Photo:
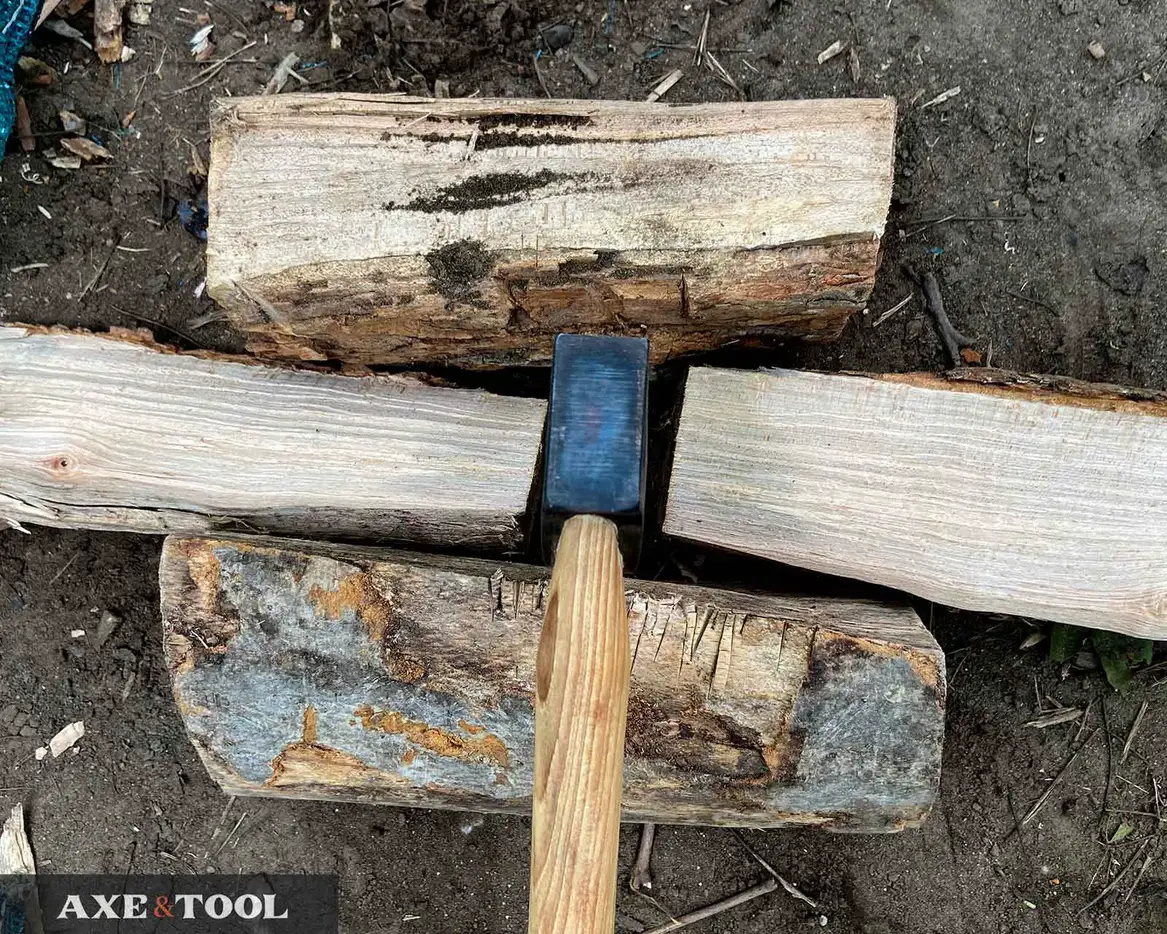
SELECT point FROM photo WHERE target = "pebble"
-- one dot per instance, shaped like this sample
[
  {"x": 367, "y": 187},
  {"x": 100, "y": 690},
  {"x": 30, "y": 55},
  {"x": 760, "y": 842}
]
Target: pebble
[
  {"x": 8, "y": 713},
  {"x": 639, "y": 48},
  {"x": 27, "y": 731},
  {"x": 558, "y": 36},
  {"x": 105, "y": 629}
]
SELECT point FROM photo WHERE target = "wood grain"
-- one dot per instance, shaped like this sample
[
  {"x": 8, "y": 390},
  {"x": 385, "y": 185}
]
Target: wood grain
[
  {"x": 312, "y": 671},
  {"x": 106, "y": 433},
  {"x": 387, "y": 229},
  {"x": 983, "y": 490},
  {"x": 581, "y": 705}
]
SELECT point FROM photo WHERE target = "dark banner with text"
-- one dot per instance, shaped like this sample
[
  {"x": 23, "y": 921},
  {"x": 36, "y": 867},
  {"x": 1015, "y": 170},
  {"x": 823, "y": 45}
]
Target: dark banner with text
[{"x": 206, "y": 904}]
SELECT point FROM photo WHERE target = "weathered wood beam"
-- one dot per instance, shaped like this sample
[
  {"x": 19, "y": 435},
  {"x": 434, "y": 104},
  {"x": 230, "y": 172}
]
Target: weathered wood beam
[
  {"x": 309, "y": 671},
  {"x": 388, "y": 230},
  {"x": 113, "y": 432},
  {"x": 980, "y": 489}
]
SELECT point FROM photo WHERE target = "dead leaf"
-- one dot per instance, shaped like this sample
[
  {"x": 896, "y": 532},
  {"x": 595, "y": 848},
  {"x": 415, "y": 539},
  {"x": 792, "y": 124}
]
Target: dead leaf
[
  {"x": 970, "y": 356},
  {"x": 287, "y": 9},
  {"x": 87, "y": 149}
]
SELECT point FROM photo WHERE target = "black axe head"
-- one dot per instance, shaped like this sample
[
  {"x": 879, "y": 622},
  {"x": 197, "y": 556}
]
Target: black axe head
[{"x": 596, "y": 444}]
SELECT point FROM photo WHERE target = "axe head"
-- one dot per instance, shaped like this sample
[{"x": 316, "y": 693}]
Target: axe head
[{"x": 594, "y": 453}]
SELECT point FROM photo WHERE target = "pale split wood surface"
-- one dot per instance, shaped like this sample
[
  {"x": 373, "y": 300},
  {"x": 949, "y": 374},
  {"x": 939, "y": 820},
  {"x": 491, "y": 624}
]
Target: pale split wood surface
[
  {"x": 108, "y": 433},
  {"x": 1032, "y": 496},
  {"x": 389, "y": 229},
  {"x": 305, "y": 670}
]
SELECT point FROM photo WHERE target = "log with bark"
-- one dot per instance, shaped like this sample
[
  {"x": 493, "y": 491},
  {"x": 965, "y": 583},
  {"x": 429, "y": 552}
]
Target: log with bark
[
  {"x": 395, "y": 230},
  {"x": 114, "y": 432},
  {"x": 329, "y": 672},
  {"x": 980, "y": 489}
]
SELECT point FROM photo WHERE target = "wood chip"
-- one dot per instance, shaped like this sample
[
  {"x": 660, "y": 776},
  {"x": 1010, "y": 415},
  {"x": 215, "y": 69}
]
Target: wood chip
[
  {"x": 942, "y": 97},
  {"x": 107, "y": 29},
  {"x": 65, "y": 739},
  {"x": 665, "y": 83},
  {"x": 59, "y": 161},
  {"x": 87, "y": 149},
  {"x": 853, "y": 65},
  {"x": 586, "y": 70},
  {"x": 24, "y": 125},
  {"x": 140, "y": 11},
  {"x": 46, "y": 9},
  {"x": 15, "y": 850},
  {"x": 831, "y": 51}
]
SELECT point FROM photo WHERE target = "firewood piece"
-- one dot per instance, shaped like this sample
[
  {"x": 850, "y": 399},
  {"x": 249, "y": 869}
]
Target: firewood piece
[
  {"x": 980, "y": 489},
  {"x": 315, "y": 671},
  {"x": 107, "y": 433},
  {"x": 395, "y": 230}
]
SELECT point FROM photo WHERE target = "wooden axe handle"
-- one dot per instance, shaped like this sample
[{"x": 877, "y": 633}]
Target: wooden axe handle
[{"x": 581, "y": 708}]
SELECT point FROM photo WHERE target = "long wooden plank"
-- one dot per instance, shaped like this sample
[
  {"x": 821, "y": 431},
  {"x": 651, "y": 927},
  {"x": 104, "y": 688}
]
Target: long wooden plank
[
  {"x": 387, "y": 229},
  {"x": 984, "y": 490},
  {"x": 308, "y": 671},
  {"x": 107, "y": 433}
]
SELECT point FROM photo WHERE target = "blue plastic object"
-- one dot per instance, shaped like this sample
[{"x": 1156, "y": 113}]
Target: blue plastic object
[{"x": 17, "y": 18}]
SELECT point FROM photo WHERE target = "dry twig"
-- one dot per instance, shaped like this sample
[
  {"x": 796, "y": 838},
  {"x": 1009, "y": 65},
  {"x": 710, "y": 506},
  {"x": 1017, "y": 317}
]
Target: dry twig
[
  {"x": 1130, "y": 737},
  {"x": 1044, "y": 797},
  {"x": 641, "y": 876},
  {"x": 762, "y": 888},
  {"x": 1117, "y": 879}
]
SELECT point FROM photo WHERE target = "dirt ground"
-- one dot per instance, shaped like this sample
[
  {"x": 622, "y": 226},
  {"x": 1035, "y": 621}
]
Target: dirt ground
[{"x": 1073, "y": 149}]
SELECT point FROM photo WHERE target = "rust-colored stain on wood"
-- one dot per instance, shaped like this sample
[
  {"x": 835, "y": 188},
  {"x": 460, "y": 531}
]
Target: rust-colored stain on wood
[
  {"x": 835, "y": 645},
  {"x": 203, "y": 568},
  {"x": 307, "y": 762},
  {"x": 486, "y": 748},
  {"x": 357, "y": 593}
]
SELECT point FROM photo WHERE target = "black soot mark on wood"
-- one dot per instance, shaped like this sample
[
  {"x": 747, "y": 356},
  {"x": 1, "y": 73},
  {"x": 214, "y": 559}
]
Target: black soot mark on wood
[
  {"x": 481, "y": 191},
  {"x": 457, "y": 269}
]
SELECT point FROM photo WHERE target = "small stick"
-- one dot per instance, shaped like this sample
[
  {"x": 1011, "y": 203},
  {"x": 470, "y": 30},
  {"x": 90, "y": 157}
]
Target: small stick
[
  {"x": 1139, "y": 878},
  {"x": 891, "y": 311},
  {"x": 762, "y": 888},
  {"x": 950, "y": 337},
  {"x": 1130, "y": 738},
  {"x": 1040, "y": 802},
  {"x": 791, "y": 889},
  {"x": 1109, "y": 773},
  {"x": 1085, "y": 717},
  {"x": 539, "y": 74},
  {"x": 209, "y": 73},
  {"x": 231, "y": 833},
  {"x": 1117, "y": 879},
  {"x": 100, "y": 271},
  {"x": 641, "y": 877},
  {"x": 701, "y": 40}
]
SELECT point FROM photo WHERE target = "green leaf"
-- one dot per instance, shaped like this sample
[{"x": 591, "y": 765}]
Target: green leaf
[
  {"x": 1118, "y": 654},
  {"x": 1064, "y": 642},
  {"x": 1124, "y": 830}
]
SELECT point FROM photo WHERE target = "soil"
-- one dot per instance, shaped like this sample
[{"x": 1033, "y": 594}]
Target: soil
[{"x": 1072, "y": 148}]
